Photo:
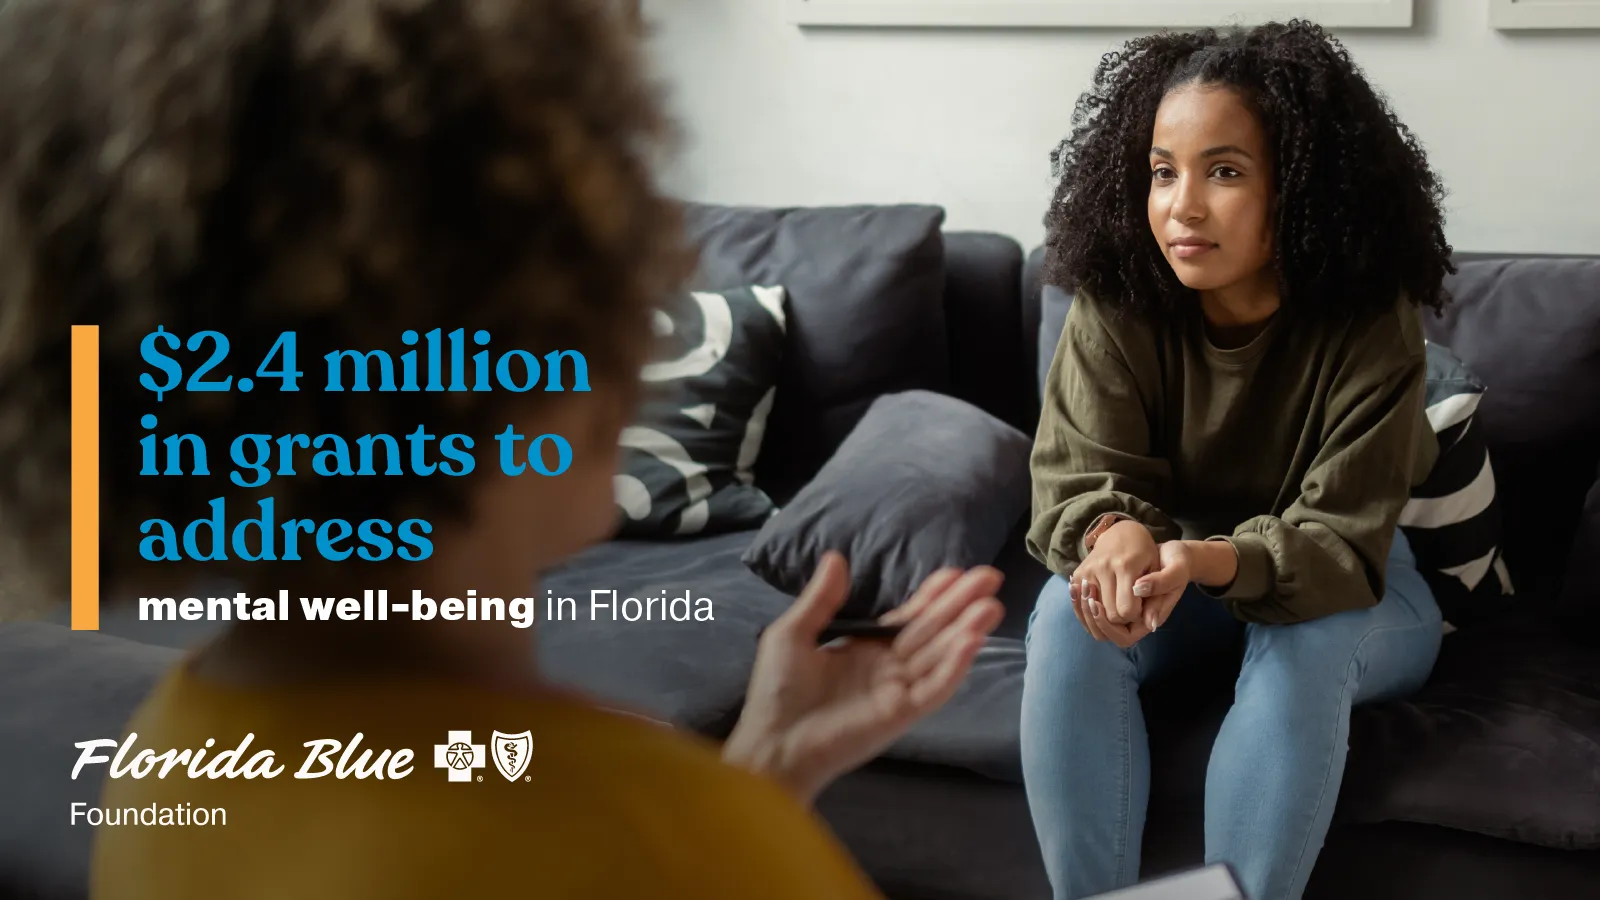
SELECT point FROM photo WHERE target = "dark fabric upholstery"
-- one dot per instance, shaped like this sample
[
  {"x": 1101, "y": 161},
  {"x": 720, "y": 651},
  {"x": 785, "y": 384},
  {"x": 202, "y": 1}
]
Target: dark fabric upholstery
[
  {"x": 1054, "y": 304},
  {"x": 866, "y": 314},
  {"x": 979, "y": 729},
  {"x": 1032, "y": 313},
  {"x": 1580, "y": 593},
  {"x": 1504, "y": 740},
  {"x": 917, "y": 457},
  {"x": 1530, "y": 329},
  {"x": 926, "y": 833},
  {"x": 706, "y": 393},
  {"x": 984, "y": 317},
  {"x": 1403, "y": 861}
]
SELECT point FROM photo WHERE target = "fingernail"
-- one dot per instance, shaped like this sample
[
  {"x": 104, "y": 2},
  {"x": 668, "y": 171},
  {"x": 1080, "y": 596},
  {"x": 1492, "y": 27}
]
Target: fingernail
[
  {"x": 1142, "y": 589},
  {"x": 1094, "y": 609}
]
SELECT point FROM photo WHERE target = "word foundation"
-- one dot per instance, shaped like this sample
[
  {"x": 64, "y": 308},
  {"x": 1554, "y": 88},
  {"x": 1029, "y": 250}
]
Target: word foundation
[{"x": 182, "y": 816}]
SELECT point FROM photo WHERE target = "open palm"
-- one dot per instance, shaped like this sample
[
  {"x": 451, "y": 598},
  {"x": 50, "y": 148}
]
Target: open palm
[{"x": 818, "y": 712}]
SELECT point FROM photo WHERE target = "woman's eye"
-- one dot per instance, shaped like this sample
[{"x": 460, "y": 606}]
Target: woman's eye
[
  {"x": 1225, "y": 172},
  {"x": 1161, "y": 173}
]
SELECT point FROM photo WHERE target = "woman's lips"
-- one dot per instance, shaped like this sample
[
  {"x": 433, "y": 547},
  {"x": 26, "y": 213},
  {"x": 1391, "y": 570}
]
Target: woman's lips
[{"x": 1191, "y": 249}]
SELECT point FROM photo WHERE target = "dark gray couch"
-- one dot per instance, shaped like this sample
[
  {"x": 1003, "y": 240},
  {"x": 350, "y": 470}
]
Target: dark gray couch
[{"x": 1486, "y": 785}]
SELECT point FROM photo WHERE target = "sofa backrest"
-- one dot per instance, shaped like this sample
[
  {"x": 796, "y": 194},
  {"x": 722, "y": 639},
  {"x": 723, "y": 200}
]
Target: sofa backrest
[
  {"x": 1529, "y": 327},
  {"x": 984, "y": 318}
]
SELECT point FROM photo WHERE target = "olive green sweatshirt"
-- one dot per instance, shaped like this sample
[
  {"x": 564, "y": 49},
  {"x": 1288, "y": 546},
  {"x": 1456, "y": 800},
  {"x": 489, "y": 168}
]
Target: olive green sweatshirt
[{"x": 1299, "y": 448}]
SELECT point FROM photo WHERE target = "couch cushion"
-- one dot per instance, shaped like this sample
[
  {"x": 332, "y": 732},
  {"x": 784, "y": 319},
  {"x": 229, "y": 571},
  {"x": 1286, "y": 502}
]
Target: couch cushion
[
  {"x": 923, "y": 482},
  {"x": 58, "y": 687},
  {"x": 1503, "y": 741},
  {"x": 979, "y": 729},
  {"x": 688, "y": 455},
  {"x": 866, "y": 304},
  {"x": 1453, "y": 517},
  {"x": 1530, "y": 328}
]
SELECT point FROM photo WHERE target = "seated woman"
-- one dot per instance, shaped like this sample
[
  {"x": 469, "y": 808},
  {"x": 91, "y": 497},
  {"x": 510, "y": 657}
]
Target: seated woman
[
  {"x": 1233, "y": 421},
  {"x": 347, "y": 170}
]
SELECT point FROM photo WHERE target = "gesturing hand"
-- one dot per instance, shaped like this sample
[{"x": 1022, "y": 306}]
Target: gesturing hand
[{"x": 813, "y": 713}]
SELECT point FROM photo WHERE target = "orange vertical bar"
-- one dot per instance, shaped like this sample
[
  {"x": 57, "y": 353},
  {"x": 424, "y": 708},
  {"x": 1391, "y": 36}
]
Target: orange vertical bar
[{"x": 85, "y": 477}]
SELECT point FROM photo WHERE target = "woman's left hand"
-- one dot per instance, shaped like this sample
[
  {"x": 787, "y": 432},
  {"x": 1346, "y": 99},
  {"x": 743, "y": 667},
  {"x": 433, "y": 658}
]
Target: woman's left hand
[{"x": 1162, "y": 588}]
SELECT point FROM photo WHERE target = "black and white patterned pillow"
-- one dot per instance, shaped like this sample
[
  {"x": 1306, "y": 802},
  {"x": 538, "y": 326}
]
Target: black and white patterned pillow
[
  {"x": 687, "y": 457},
  {"x": 1453, "y": 518}
]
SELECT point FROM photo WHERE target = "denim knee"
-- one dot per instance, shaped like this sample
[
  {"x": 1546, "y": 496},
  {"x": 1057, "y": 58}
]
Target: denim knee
[
  {"x": 1055, "y": 632},
  {"x": 1051, "y": 609}
]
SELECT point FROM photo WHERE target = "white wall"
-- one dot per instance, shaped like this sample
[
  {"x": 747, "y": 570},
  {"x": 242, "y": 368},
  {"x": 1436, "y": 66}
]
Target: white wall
[{"x": 967, "y": 119}]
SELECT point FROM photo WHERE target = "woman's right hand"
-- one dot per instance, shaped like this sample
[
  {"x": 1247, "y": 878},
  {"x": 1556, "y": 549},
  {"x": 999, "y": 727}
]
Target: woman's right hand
[{"x": 1103, "y": 583}]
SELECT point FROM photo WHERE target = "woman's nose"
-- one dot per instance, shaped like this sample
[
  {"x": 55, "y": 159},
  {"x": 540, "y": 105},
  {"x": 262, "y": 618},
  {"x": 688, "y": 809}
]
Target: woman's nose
[{"x": 1188, "y": 202}]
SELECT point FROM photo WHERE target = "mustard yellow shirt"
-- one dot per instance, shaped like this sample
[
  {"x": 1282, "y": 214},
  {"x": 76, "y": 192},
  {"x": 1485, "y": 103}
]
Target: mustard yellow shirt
[{"x": 609, "y": 805}]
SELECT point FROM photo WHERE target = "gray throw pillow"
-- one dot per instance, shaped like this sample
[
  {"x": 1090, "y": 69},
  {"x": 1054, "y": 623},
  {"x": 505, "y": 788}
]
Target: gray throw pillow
[
  {"x": 688, "y": 457},
  {"x": 923, "y": 481}
]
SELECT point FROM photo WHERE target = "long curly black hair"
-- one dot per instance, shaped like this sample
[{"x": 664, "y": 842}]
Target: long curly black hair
[{"x": 1357, "y": 217}]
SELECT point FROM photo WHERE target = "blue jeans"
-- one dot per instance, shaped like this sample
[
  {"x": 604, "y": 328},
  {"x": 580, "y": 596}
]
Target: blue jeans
[{"x": 1277, "y": 763}]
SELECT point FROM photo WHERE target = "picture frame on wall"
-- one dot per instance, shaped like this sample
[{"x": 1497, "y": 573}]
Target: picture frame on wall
[
  {"x": 1513, "y": 15},
  {"x": 1096, "y": 13}
]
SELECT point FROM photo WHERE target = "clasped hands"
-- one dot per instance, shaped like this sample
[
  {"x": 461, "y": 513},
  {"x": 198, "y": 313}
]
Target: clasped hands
[{"x": 1128, "y": 585}]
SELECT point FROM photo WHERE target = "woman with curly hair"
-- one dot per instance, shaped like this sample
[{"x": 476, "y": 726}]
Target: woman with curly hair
[
  {"x": 1232, "y": 423},
  {"x": 348, "y": 170}
]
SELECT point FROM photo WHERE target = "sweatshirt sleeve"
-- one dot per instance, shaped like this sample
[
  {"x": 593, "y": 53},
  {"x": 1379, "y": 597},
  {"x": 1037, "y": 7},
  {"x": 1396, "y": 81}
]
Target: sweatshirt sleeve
[
  {"x": 1093, "y": 452},
  {"x": 1329, "y": 550}
]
